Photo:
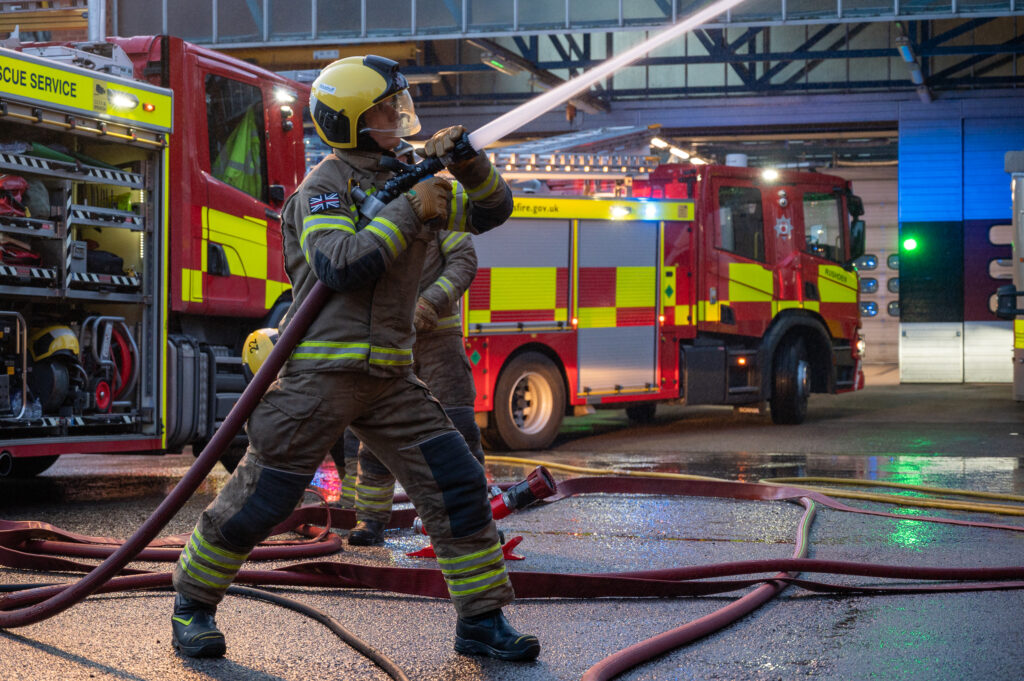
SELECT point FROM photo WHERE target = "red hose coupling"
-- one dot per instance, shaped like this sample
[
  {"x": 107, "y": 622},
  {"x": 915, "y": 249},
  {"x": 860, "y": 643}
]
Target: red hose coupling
[{"x": 538, "y": 485}]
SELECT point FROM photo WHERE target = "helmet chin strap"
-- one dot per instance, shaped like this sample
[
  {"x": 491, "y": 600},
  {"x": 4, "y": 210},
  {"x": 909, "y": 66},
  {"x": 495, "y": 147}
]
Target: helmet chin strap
[{"x": 365, "y": 142}]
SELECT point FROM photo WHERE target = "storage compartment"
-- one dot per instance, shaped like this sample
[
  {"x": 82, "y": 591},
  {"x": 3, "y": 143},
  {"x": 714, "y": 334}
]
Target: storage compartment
[{"x": 80, "y": 276}]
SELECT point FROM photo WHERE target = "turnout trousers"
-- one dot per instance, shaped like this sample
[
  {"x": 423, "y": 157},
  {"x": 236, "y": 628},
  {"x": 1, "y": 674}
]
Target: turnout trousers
[
  {"x": 439, "y": 361},
  {"x": 298, "y": 420}
]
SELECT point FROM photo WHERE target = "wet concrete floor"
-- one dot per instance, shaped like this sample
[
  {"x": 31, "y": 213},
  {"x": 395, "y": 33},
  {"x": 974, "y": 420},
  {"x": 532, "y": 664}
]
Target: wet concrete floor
[{"x": 962, "y": 436}]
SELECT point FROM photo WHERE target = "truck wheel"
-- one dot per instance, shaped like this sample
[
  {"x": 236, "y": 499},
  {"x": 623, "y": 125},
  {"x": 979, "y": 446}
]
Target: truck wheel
[
  {"x": 27, "y": 467},
  {"x": 641, "y": 413},
  {"x": 529, "y": 403},
  {"x": 791, "y": 383}
]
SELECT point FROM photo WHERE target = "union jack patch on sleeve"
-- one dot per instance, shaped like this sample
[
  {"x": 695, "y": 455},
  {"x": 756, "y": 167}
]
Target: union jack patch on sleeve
[{"x": 323, "y": 202}]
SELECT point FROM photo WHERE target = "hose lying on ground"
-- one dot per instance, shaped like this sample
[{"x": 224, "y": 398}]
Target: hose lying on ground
[{"x": 21, "y": 545}]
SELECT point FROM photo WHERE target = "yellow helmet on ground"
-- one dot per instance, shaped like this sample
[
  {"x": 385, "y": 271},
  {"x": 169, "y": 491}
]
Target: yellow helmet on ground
[
  {"x": 258, "y": 346},
  {"x": 348, "y": 88},
  {"x": 56, "y": 340}
]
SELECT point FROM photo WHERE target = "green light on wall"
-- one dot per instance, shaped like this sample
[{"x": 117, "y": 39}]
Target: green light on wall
[{"x": 909, "y": 244}]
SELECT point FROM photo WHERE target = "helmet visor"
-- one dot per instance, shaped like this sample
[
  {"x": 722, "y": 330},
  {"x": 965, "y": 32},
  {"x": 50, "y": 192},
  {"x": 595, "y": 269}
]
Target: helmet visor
[{"x": 394, "y": 116}]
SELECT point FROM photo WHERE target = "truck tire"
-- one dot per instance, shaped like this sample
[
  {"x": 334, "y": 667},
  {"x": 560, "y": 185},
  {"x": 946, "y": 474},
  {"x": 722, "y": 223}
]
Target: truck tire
[
  {"x": 641, "y": 413},
  {"x": 791, "y": 383},
  {"x": 529, "y": 403},
  {"x": 27, "y": 467}
]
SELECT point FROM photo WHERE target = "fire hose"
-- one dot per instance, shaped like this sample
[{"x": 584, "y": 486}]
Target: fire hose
[{"x": 33, "y": 545}]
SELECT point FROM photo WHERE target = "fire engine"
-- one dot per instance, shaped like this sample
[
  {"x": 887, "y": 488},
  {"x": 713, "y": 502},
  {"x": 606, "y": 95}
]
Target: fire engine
[
  {"x": 711, "y": 285},
  {"x": 140, "y": 184}
]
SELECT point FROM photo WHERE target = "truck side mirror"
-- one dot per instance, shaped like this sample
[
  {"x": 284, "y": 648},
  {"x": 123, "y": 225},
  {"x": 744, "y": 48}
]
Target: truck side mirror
[
  {"x": 856, "y": 239},
  {"x": 1006, "y": 307}
]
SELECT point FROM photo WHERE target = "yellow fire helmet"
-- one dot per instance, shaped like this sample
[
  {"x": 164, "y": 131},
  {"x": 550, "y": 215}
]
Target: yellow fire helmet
[
  {"x": 349, "y": 87},
  {"x": 256, "y": 349},
  {"x": 53, "y": 341}
]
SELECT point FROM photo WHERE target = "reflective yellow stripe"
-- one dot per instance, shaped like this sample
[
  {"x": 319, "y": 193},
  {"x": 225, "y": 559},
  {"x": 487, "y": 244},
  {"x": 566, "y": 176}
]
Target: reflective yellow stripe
[
  {"x": 374, "y": 497},
  {"x": 193, "y": 551},
  {"x": 456, "y": 571},
  {"x": 389, "y": 232},
  {"x": 459, "y": 586},
  {"x": 485, "y": 188},
  {"x": 401, "y": 356},
  {"x": 348, "y": 486},
  {"x": 457, "y": 211},
  {"x": 469, "y": 556},
  {"x": 187, "y": 567},
  {"x": 192, "y": 560},
  {"x": 314, "y": 223},
  {"x": 448, "y": 322},
  {"x": 335, "y": 350},
  {"x": 446, "y": 285},
  {"x": 451, "y": 241},
  {"x": 485, "y": 587},
  {"x": 224, "y": 553}
]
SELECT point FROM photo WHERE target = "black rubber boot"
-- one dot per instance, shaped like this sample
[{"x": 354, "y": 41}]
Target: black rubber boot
[
  {"x": 193, "y": 630},
  {"x": 490, "y": 634},
  {"x": 367, "y": 533}
]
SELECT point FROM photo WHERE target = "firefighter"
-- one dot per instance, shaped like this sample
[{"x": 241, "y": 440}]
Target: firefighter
[
  {"x": 439, "y": 361},
  {"x": 353, "y": 366},
  {"x": 346, "y": 452}
]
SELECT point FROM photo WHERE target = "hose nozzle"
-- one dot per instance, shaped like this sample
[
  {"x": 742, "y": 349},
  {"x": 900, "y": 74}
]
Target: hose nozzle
[{"x": 538, "y": 485}]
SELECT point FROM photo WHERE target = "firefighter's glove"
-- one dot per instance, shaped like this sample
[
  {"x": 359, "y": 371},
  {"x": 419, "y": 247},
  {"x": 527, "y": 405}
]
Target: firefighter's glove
[
  {"x": 472, "y": 171},
  {"x": 430, "y": 200},
  {"x": 426, "y": 316},
  {"x": 443, "y": 142}
]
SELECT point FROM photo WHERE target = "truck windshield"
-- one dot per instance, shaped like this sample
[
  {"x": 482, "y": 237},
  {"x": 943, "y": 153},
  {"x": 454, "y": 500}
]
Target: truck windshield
[{"x": 234, "y": 116}]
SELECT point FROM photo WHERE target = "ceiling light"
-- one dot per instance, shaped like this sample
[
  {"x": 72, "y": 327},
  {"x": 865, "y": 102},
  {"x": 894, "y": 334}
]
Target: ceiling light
[{"x": 499, "y": 63}]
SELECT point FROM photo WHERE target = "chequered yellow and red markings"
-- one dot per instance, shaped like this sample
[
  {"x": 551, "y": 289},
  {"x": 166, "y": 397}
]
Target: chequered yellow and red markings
[
  {"x": 752, "y": 294},
  {"x": 616, "y": 297},
  {"x": 518, "y": 294}
]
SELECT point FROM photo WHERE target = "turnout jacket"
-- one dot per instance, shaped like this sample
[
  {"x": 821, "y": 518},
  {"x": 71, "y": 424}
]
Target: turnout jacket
[
  {"x": 448, "y": 270},
  {"x": 374, "y": 270}
]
